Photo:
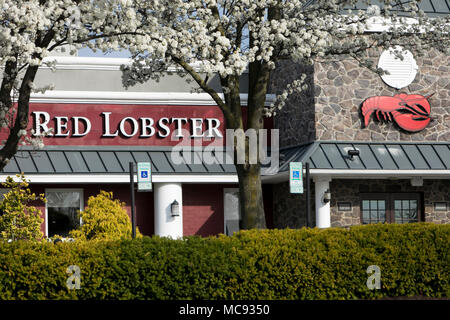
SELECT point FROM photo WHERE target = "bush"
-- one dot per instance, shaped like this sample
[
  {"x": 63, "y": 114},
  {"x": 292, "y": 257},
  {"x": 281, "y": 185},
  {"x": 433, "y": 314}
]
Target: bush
[
  {"x": 104, "y": 218},
  {"x": 18, "y": 219},
  {"x": 268, "y": 264}
]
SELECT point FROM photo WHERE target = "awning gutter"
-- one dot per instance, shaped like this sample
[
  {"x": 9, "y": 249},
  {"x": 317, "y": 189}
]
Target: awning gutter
[{"x": 363, "y": 174}]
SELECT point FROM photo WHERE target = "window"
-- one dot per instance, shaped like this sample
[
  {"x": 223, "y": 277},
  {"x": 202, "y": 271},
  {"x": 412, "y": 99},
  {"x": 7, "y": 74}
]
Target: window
[
  {"x": 405, "y": 211},
  {"x": 232, "y": 215},
  {"x": 373, "y": 211},
  {"x": 3, "y": 191},
  {"x": 390, "y": 208},
  {"x": 62, "y": 211}
]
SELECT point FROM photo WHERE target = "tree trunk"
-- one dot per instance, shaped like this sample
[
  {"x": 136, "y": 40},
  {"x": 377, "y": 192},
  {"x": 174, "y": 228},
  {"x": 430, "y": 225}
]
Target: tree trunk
[
  {"x": 23, "y": 104},
  {"x": 21, "y": 121},
  {"x": 251, "y": 197},
  {"x": 249, "y": 173}
]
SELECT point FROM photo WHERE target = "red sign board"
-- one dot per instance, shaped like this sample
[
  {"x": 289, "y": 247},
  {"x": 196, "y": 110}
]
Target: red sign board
[{"x": 95, "y": 124}]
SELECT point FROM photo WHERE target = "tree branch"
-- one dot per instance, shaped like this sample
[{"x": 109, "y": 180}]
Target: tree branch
[
  {"x": 196, "y": 76},
  {"x": 9, "y": 76}
]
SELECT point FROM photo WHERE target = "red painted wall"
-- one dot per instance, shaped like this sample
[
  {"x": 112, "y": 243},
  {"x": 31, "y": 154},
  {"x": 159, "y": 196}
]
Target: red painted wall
[{"x": 203, "y": 207}]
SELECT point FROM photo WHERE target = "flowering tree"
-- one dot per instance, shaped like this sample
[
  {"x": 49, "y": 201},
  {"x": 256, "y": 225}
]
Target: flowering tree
[
  {"x": 226, "y": 38},
  {"x": 29, "y": 30}
]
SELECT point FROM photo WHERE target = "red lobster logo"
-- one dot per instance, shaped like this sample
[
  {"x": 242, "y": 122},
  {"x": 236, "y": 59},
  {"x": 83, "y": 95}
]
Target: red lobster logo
[{"x": 410, "y": 111}]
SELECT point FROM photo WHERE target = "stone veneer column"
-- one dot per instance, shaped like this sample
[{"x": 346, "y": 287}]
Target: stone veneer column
[
  {"x": 323, "y": 213},
  {"x": 165, "y": 224}
]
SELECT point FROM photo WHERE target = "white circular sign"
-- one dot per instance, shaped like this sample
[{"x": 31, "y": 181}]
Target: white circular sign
[{"x": 401, "y": 72}]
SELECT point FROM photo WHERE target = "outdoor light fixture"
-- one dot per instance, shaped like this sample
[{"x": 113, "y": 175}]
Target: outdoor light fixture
[
  {"x": 417, "y": 181},
  {"x": 327, "y": 196},
  {"x": 352, "y": 153},
  {"x": 175, "y": 208}
]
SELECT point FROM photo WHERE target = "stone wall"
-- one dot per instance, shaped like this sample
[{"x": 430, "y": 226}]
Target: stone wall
[
  {"x": 296, "y": 119},
  {"x": 436, "y": 191},
  {"x": 349, "y": 191},
  {"x": 289, "y": 209},
  {"x": 330, "y": 109},
  {"x": 341, "y": 87}
]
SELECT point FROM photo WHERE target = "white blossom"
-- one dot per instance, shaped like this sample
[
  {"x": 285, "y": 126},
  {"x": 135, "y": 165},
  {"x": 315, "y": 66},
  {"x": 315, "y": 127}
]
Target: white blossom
[
  {"x": 217, "y": 33},
  {"x": 373, "y": 10}
]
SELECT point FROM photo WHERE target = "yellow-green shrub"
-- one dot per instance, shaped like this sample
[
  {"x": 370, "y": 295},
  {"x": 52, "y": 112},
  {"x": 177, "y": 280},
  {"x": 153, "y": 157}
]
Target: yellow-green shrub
[
  {"x": 18, "y": 219},
  {"x": 255, "y": 264},
  {"x": 104, "y": 218}
]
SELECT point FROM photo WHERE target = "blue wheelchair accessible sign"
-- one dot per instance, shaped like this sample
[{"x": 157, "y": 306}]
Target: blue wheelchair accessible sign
[{"x": 296, "y": 177}]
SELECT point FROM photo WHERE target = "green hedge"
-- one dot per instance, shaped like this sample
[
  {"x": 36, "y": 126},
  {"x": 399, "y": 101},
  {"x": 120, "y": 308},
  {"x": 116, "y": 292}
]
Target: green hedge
[{"x": 269, "y": 264}]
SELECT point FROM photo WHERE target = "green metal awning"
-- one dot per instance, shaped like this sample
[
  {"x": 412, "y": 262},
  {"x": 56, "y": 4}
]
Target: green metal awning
[
  {"x": 109, "y": 160},
  {"x": 372, "y": 155},
  {"x": 433, "y": 157}
]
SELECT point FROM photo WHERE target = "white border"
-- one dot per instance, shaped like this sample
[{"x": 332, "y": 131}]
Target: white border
[
  {"x": 127, "y": 97},
  {"x": 85, "y": 63},
  {"x": 342, "y": 173},
  {"x": 80, "y": 190},
  {"x": 231, "y": 178},
  {"x": 101, "y": 63},
  {"x": 363, "y": 174},
  {"x": 124, "y": 178},
  {"x": 97, "y": 63},
  {"x": 382, "y": 24}
]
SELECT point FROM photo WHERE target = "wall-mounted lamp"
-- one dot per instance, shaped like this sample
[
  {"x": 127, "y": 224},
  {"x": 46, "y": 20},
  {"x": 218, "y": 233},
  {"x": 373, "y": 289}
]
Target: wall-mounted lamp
[
  {"x": 352, "y": 153},
  {"x": 175, "y": 208},
  {"x": 327, "y": 196}
]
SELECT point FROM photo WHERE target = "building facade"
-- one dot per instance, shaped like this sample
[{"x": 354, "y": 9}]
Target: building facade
[
  {"x": 96, "y": 129},
  {"x": 378, "y": 148},
  {"x": 399, "y": 175}
]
